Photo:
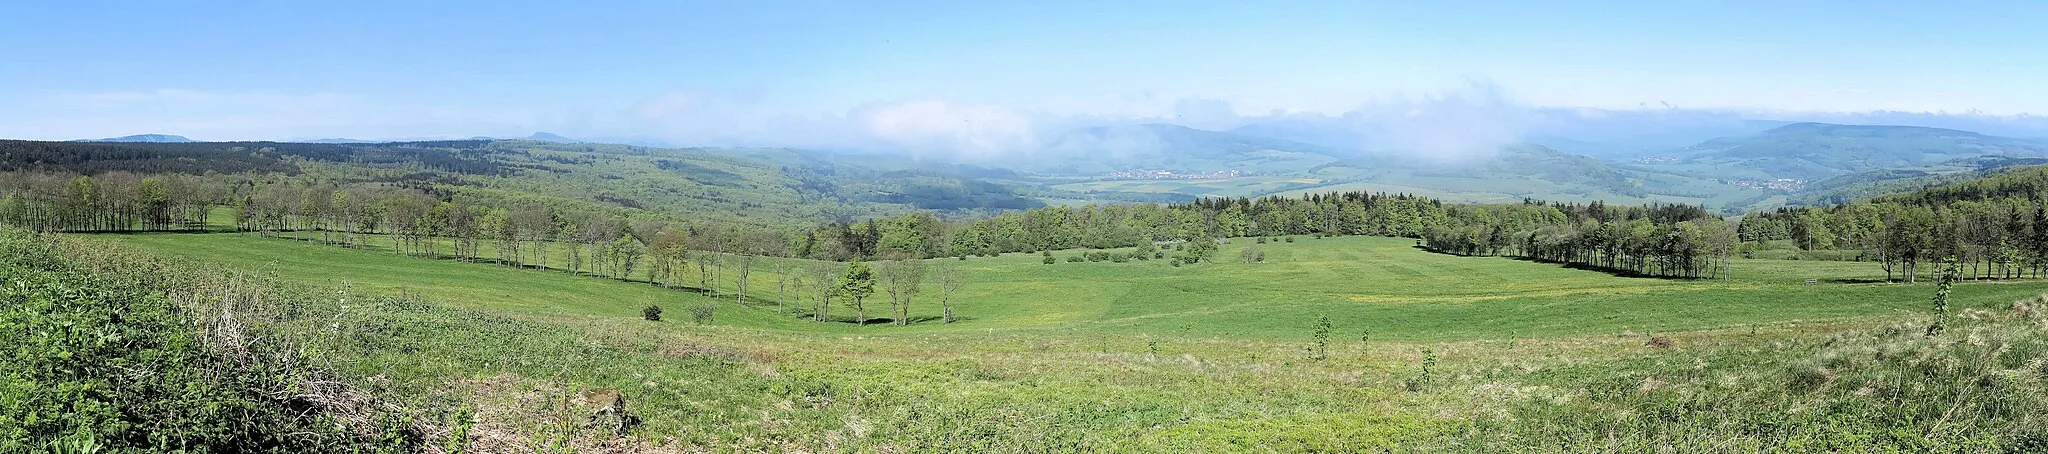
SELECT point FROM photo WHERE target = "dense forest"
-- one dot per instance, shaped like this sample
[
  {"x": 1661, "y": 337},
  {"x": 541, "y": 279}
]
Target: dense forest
[{"x": 1997, "y": 226}]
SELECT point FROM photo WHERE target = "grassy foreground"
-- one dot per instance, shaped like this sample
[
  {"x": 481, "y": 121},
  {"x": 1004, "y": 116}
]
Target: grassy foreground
[{"x": 1428, "y": 352}]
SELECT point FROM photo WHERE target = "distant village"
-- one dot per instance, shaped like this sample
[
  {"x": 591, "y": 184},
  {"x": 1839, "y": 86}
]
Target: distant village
[
  {"x": 1782, "y": 184},
  {"x": 1172, "y": 175},
  {"x": 1657, "y": 160}
]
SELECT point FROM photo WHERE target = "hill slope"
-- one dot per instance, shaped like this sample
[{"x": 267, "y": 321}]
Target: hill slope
[
  {"x": 1817, "y": 150},
  {"x": 1176, "y": 148},
  {"x": 144, "y": 138}
]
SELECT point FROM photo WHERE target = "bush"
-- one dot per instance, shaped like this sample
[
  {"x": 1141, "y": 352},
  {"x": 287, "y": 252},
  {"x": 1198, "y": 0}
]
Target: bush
[
  {"x": 1262, "y": 240},
  {"x": 652, "y": 313},
  {"x": 1290, "y": 239},
  {"x": 1049, "y": 260},
  {"x": 1076, "y": 259},
  {"x": 98, "y": 359},
  {"x": 702, "y": 313}
]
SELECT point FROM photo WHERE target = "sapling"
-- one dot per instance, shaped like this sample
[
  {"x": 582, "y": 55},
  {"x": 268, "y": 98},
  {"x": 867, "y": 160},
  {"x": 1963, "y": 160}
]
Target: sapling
[
  {"x": 1949, "y": 270},
  {"x": 1321, "y": 331}
]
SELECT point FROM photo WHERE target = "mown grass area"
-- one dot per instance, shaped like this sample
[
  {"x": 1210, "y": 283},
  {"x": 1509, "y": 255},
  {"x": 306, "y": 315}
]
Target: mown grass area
[{"x": 1429, "y": 352}]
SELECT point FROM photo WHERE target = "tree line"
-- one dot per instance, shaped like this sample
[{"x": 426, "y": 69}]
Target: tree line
[
  {"x": 1996, "y": 227},
  {"x": 713, "y": 258},
  {"x": 1655, "y": 240}
]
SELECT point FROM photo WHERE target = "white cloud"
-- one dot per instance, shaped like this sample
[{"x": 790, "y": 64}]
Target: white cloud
[{"x": 940, "y": 127}]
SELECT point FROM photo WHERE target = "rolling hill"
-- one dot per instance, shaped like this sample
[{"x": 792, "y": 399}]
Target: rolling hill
[
  {"x": 144, "y": 138},
  {"x": 1099, "y": 150},
  {"x": 1814, "y": 151}
]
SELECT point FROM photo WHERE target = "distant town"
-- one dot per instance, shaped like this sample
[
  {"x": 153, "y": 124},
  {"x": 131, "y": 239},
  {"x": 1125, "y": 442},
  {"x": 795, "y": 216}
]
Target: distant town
[
  {"x": 1172, "y": 175},
  {"x": 1657, "y": 160},
  {"x": 1782, "y": 184}
]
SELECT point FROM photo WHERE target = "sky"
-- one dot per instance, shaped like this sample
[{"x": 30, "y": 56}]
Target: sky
[{"x": 977, "y": 75}]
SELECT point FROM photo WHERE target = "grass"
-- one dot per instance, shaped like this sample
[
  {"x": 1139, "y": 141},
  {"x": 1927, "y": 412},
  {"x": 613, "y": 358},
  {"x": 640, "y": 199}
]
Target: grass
[
  {"x": 1379, "y": 284},
  {"x": 1146, "y": 357}
]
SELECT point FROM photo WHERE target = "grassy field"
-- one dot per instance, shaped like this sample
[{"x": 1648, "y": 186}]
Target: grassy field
[
  {"x": 1427, "y": 351},
  {"x": 1381, "y": 285}
]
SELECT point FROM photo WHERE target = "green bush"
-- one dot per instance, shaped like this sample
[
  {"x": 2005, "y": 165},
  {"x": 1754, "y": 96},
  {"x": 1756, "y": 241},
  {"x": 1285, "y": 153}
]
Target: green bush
[
  {"x": 651, "y": 313},
  {"x": 99, "y": 359},
  {"x": 701, "y": 313}
]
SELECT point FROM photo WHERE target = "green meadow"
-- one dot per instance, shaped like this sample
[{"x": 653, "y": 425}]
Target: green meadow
[
  {"x": 1381, "y": 285},
  {"x": 1424, "y": 352}
]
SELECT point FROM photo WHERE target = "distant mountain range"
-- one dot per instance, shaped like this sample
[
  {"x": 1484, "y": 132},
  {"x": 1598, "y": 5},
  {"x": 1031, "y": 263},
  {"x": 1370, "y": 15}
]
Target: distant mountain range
[
  {"x": 1818, "y": 150},
  {"x": 147, "y": 138}
]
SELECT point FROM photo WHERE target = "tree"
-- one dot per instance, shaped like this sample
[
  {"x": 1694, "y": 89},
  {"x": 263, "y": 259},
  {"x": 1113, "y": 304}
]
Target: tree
[
  {"x": 1949, "y": 270},
  {"x": 1321, "y": 332},
  {"x": 947, "y": 275},
  {"x": 1199, "y": 249},
  {"x": 824, "y": 283},
  {"x": 902, "y": 278},
  {"x": 746, "y": 247},
  {"x": 784, "y": 272},
  {"x": 857, "y": 284},
  {"x": 625, "y": 252}
]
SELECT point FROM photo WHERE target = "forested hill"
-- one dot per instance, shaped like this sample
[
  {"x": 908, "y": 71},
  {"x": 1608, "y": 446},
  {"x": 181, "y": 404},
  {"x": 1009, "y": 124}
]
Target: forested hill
[
  {"x": 2024, "y": 183},
  {"x": 1815, "y": 151},
  {"x": 1996, "y": 224},
  {"x": 688, "y": 184}
]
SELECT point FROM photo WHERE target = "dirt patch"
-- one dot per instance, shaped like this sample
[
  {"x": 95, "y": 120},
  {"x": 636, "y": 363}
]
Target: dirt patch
[{"x": 514, "y": 414}]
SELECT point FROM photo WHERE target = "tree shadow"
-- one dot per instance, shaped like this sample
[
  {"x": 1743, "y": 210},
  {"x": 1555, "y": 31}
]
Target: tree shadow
[
  {"x": 853, "y": 320},
  {"x": 1848, "y": 280},
  {"x": 1617, "y": 272}
]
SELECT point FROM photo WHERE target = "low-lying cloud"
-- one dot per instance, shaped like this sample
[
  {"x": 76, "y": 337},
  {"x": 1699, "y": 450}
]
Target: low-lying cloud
[{"x": 1460, "y": 123}]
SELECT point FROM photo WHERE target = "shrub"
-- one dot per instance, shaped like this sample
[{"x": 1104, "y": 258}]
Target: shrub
[
  {"x": 1252, "y": 254},
  {"x": 1321, "y": 332},
  {"x": 99, "y": 359},
  {"x": 1049, "y": 260},
  {"x": 1076, "y": 259},
  {"x": 1262, "y": 240},
  {"x": 702, "y": 313},
  {"x": 1290, "y": 239},
  {"x": 651, "y": 313}
]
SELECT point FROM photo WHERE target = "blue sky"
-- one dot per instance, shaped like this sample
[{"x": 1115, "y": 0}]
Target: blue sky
[{"x": 810, "y": 73}]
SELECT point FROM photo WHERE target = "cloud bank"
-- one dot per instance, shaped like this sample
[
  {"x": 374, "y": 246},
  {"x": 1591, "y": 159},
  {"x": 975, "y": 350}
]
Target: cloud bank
[{"x": 1453, "y": 124}]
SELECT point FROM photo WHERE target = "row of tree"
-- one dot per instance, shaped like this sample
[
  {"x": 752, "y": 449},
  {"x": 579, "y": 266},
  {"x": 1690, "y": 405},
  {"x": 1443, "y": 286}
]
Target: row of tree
[
  {"x": 1665, "y": 240},
  {"x": 417, "y": 221},
  {"x": 1657, "y": 240}
]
